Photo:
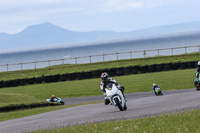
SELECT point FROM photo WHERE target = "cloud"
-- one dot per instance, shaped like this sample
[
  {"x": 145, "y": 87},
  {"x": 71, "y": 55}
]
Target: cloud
[
  {"x": 121, "y": 5},
  {"x": 70, "y": 6},
  {"x": 127, "y": 5},
  {"x": 18, "y": 14}
]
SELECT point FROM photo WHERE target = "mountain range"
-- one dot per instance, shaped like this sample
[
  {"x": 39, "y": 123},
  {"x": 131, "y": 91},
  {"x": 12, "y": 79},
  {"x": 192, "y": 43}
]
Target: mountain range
[{"x": 48, "y": 35}]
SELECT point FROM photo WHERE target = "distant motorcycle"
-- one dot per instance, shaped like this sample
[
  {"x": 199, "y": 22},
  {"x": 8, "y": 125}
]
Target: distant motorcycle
[
  {"x": 158, "y": 91},
  {"x": 58, "y": 100},
  {"x": 198, "y": 85},
  {"x": 115, "y": 96}
]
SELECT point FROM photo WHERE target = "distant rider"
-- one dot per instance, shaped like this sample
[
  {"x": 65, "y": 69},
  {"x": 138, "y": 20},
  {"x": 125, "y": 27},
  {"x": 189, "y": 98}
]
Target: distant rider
[
  {"x": 197, "y": 80},
  {"x": 52, "y": 98},
  {"x": 105, "y": 81},
  {"x": 156, "y": 86}
]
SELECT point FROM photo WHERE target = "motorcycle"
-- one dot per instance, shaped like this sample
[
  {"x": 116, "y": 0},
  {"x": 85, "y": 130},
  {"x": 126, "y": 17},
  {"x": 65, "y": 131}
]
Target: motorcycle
[
  {"x": 115, "y": 96},
  {"x": 196, "y": 81},
  {"x": 58, "y": 100},
  {"x": 158, "y": 91}
]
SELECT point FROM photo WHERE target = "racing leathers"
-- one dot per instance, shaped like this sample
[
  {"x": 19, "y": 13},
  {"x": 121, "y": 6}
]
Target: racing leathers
[
  {"x": 103, "y": 85},
  {"x": 154, "y": 87},
  {"x": 52, "y": 99},
  {"x": 197, "y": 79}
]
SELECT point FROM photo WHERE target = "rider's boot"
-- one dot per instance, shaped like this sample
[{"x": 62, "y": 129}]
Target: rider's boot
[{"x": 106, "y": 101}]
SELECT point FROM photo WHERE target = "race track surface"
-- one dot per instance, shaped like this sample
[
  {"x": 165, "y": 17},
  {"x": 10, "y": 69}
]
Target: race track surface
[{"x": 139, "y": 105}]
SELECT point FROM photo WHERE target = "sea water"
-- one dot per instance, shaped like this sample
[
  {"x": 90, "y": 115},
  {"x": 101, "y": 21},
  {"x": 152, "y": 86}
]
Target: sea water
[{"x": 68, "y": 54}]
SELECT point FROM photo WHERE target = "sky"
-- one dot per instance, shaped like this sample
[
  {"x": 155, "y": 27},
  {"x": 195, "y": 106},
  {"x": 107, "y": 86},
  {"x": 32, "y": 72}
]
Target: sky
[{"x": 90, "y": 15}]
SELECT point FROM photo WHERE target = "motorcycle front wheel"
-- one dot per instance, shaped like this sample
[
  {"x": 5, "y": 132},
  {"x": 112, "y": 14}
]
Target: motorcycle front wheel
[
  {"x": 62, "y": 103},
  {"x": 118, "y": 104},
  {"x": 125, "y": 107}
]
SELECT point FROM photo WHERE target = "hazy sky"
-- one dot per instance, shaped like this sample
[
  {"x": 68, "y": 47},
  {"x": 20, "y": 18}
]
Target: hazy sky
[{"x": 89, "y": 15}]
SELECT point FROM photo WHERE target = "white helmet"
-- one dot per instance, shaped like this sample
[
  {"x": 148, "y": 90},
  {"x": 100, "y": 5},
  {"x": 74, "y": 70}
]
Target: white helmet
[
  {"x": 154, "y": 84},
  {"x": 198, "y": 63}
]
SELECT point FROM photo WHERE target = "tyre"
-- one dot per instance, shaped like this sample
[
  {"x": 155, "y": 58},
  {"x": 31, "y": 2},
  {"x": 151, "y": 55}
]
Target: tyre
[
  {"x": 160, "y": 93},
  {"x": 6, "y": 83},
  {"x": 120, "y": 71},
  {"x": 127, "y": 70},
  {"x": 72, "y": 76},
  {"x": 152, "y": 68},
  {"x": 125, "y": 107},
  {"x": 112, "y": 72},
  {"x": 88, "y": 75},
  {"x": 96, "y": 74},
  {"x": 80, "y": 75},
  {"x": 48, "y": 79},
  {"x": 31, "y": 80},
  {"x": 191, "y": 64},
  {"x": 143, "y": 69},
  {"x": 14, "y": 83},
  {"x": 135, "y": 69},
  {"x": 159, "y": 67},
  {"x": 167, "y": 66},
  {"x": 1, "y": 84},
  {"x": 183, "y": 65},
  {"x": 63, "y": 77},
  {"x": 55, "y": 78},
  {"x": 118, "y": 104},
  {"x": 22, "y": 81},
  {"x": 175, "y": 65},
  {"x": 62, "y": 103},
  {"x": 39, "y": 80}
]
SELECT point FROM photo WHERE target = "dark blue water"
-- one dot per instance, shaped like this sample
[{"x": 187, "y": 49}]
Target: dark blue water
[{"x": 99, "y": 49}]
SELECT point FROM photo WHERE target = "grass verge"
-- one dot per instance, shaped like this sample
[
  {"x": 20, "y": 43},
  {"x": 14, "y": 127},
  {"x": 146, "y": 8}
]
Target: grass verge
[{"x": 13, "y": 98}]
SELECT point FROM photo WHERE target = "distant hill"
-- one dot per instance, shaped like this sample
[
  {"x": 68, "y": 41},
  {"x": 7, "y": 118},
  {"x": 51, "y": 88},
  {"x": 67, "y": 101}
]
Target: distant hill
[{"x": 47, "y": 35}]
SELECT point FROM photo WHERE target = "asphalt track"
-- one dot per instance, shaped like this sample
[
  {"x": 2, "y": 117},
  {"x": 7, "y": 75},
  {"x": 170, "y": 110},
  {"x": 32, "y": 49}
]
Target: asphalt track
[{"x": 139, "y": 105}]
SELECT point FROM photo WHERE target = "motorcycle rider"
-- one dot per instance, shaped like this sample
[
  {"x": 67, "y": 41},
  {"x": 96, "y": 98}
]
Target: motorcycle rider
[
  {"x": 197, "y": 80},
  {"x": 105, "y": 81},
  {"x": 154, "y": 87},
  {"x": 52, "y": 98}
]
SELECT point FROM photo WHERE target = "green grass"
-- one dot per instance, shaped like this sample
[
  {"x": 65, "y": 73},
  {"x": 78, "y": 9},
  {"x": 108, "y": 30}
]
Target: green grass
[
  {"x": 61, "y": 69},
  {"x": 13, "y": 98},
  {"x": 167, "y": 80},
  {"x": 183, "y": 122}
]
